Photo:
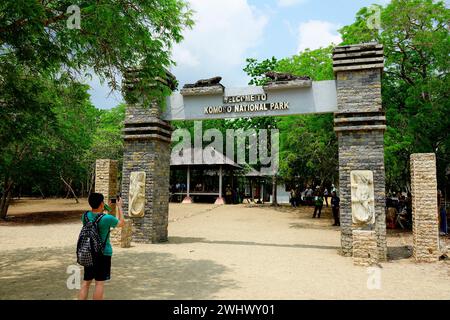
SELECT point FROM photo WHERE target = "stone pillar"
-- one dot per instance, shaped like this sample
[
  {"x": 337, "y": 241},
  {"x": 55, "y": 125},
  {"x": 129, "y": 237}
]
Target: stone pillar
[
  {"x": 365, "y": 251},
  {"x": 360, "y": 124},
  {"x": 106, "y": 178},
  {"x": 425, "y": 207},
  {"x": 106, "y": 183},
  {"x": 122, "y": 236},
  {"x": 147, "y": 141}
]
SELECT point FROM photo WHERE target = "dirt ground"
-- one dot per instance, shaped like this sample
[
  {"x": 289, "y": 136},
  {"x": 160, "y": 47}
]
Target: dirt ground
[{"x": 214, "y": 252}]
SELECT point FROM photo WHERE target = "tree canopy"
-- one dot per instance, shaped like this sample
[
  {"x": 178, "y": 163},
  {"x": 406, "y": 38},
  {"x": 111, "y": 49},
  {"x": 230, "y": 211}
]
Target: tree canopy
[
  {"x": 47, "y": 121},
  {"x": 51, "y": 134},
  {"x": 415, "y": 92}
]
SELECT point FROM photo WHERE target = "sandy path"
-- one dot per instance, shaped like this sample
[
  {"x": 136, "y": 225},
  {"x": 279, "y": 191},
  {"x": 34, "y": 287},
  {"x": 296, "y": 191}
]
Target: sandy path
[{"x": 229, "y": 252}]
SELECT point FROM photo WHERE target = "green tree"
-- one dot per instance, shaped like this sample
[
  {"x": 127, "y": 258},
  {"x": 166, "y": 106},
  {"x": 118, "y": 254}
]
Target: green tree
[
  {"x": 39, "y": 57},
  {"x": 107, "y": 141},
  {"x": 416, "y": 81},
  {"x": 113, "y": 35},
  {"x": 257, "y": 70},
  {"x": 316, "y": 64},
  {"x": 45, "y": 125},
  {"x": 308, "y": 146}
]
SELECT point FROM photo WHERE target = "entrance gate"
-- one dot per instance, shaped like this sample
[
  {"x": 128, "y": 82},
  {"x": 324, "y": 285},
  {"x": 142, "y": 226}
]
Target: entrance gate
[{"x": 354, "y": 97}]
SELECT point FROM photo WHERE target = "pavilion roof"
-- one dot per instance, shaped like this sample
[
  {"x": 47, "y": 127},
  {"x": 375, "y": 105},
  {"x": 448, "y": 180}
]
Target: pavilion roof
[{"x": 207, "y": 157}]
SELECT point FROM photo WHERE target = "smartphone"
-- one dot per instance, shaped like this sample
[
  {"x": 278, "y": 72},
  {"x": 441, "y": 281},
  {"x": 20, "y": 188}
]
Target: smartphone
[{"x": 113, "y": 200}]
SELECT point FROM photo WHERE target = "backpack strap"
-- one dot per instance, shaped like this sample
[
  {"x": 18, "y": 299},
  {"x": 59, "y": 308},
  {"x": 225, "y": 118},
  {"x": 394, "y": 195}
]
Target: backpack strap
[
  {"x": 98, "y": 218},
  {"x": 85, "y": 218},
  {"x": 96, "y": 223}
]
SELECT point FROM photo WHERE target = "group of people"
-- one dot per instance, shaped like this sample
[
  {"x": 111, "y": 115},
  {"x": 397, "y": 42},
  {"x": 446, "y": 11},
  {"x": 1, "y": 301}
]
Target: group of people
[
  {"x": 316, "y": 198},
  {"x": 177, "y": 187},
  {"x": 399, "y": 210}
]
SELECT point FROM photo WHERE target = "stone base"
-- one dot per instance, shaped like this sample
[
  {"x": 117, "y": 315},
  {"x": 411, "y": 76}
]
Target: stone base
[
  {"x": 220, "y": 201},
  {"x": 365, "y": 251},
  {"x": 187, "y": 200},
  {"x": 122, "y": 236}
]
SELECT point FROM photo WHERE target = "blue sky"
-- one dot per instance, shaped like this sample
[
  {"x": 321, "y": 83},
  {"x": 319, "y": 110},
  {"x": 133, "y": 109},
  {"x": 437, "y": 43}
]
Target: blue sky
[{"x": 229, "y": 31}]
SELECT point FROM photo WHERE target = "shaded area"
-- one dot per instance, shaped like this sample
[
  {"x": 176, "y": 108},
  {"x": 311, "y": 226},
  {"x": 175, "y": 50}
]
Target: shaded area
[
  {"x": 399, "y": 253},
  {"x": 41, "y": 274},
  {"x": 316, "y": 226},
  {"x": 302, "y": 211},
  {"x": 42, "y": 218},
  {"x": 184, "y": 240}
]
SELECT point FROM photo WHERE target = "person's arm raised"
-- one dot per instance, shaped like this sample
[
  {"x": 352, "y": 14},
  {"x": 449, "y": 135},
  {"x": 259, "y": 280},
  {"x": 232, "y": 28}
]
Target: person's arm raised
[{"x": 120, "y": 213}]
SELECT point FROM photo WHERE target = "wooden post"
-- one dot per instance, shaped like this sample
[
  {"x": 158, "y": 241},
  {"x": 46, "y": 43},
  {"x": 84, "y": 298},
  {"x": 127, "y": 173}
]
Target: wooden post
[
  {"x": 220, "y": 200},
  {"x": 188, "y": 198}
]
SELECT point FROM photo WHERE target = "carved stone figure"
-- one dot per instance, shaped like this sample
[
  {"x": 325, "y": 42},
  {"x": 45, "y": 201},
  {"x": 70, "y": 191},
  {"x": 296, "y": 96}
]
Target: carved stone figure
[
  {"x": 363, "y": 197},
  {"x": 278, "y": 76},
  {"x": 136, "y": 199},
  {"x": 205, "y": 83}
]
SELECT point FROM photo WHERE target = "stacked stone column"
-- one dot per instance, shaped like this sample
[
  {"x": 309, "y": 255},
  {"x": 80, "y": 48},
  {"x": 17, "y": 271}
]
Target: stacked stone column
[
  {"x": 365, "y": 251},
  {"x": 106, "y": 173},
  {"x": 425, "y": 207},
  {"x": 147, "y": 141},
  {"x": 360, "y": 124}
]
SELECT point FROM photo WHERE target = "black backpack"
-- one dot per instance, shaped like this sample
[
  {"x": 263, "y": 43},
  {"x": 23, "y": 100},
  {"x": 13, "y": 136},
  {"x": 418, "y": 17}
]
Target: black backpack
[{"x": 90, "y": 245}]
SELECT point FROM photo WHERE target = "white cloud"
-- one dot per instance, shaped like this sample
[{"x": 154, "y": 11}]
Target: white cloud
[
  {"x": 316, "y": 33},
  {"x": 290, "y": 3},
  {"x": 223, "y": 34},
  {"x": 184, "y": 57}
]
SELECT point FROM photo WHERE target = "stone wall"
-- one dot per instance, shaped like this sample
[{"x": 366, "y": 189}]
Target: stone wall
[
  {"x": 365, "y": 251},
  {"x": 106, "y": 173},
  {"x": 106, "y": 183},
  {"x": 362, "y": 150},
  {"x": 425, "y": 207},
  {"x": 360, "y": 124},
  {"x": 121, "y": 237},
  {"x": 147, "y": 148}
]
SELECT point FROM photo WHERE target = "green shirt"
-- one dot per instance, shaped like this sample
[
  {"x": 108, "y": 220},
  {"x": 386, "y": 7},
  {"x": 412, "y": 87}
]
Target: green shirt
[
  {"x": 319, "y": 201},
  {"x": 107, "y": 222}
]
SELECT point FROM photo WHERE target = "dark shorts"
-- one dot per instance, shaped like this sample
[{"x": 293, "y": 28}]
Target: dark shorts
[{"x": 101, "y": 271}]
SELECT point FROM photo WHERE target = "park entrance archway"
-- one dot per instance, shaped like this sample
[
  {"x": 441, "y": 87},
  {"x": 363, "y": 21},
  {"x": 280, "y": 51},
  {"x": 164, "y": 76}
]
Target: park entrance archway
[{"x": 355, "y": 99}]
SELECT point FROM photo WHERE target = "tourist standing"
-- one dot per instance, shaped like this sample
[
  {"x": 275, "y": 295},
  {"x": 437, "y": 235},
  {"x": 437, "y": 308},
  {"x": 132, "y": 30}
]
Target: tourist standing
[
  {"x": 101, "y": 269},
  {"x": 408, "y": 204},
  {"x": 318, "y": 204},
  {"x": 326, "y": 195},
  {"x": 335, "y": 205},
  {"x": 309, "y": 196},
  {"x": 293, "y": 199},
  {"x": 228, "y": 195},
  {"x": 443, "y": 214}
]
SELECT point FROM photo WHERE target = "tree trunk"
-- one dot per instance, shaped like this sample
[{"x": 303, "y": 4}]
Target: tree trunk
[
  {"x": 91, "y": 182},
  {"x": 274, "y": 191},
  {"x": 40, "y": 191},
  {"x": 82, "y": 189},
  {"x": 6, "y": 198},
  {"x": 70, "y": 188}
]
